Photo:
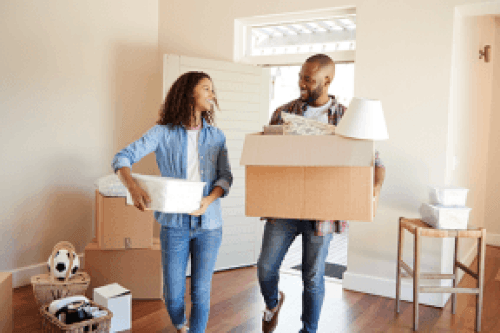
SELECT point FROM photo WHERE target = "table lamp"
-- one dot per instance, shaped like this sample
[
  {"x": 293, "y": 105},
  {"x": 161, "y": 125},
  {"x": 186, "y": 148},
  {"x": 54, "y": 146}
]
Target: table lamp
[{"x": 364, "y": 119}]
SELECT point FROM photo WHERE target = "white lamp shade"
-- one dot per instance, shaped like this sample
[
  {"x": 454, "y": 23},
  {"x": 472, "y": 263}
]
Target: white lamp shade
[{"x": 364, "y": 119}]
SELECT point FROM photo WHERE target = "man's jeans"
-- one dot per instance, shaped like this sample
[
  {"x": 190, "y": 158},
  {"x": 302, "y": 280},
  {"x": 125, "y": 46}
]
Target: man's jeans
[
  {"x": 176, "y": 245},
  {"x": 278, "y": 236}
]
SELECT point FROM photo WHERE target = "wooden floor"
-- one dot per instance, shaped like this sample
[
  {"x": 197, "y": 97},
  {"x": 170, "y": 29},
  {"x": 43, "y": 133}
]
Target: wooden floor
[{"x": 237, "y": 307}]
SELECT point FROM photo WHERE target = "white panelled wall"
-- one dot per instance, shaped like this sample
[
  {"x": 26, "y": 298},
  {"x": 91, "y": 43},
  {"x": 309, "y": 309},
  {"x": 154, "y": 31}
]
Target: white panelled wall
[{"x": 243, "y": 96}]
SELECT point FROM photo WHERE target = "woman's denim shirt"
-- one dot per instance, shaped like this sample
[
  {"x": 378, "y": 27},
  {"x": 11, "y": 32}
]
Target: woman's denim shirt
[{"x": 170, "y": 147}]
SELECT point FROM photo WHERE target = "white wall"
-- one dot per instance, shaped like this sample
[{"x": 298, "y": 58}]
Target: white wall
[
  {"x": 469, "y": 123},
  {"x": 403, "y": 58},
  {"x": 78, "y": 81},
  {"x": 470, "y": 112}
]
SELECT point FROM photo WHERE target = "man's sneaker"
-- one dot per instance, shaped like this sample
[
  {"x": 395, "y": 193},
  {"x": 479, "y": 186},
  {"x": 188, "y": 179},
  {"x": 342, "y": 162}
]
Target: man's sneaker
[{"x": 270, "y": 320}]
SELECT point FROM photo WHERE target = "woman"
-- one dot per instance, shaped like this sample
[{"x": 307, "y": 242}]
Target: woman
[{"x": 187, "y": 146}]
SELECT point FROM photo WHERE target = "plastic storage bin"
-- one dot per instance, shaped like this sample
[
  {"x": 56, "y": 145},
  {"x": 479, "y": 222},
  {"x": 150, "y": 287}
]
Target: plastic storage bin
[
  {"x": 448, "y": 196},
  {"x": 441, "y": 217},
  {"x": 170, "y": 195}
]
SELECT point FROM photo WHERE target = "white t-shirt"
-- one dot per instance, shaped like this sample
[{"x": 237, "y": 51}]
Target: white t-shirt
[
  {"x": 193, "y": 163},
  {"x": 319, "y": 113}
]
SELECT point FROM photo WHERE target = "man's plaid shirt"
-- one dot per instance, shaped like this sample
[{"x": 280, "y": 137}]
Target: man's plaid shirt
[{"x": 335, "y": 113}]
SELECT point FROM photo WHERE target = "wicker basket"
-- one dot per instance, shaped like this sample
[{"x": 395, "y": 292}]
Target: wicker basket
[
  {"x": 47, "y": 288},
  {"x": 96, "y": 325}
]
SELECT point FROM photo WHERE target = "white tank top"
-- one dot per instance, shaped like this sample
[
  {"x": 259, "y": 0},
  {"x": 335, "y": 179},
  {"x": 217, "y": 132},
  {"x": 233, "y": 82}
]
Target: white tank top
[{"x": 193, "y": 163}]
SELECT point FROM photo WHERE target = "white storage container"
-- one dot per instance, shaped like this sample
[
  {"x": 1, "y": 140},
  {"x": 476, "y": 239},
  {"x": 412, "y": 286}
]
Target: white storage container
[
  {"x": 170, "y": 195},
  {"x": 448, "y": 196},
  {"x": 442, "y": 217},
  {"x": 119, "y": 301}
]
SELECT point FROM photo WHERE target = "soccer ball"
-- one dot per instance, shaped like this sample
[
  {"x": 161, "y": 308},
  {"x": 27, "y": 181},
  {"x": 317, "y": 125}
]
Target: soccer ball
[{"x": 61, "y": 264}]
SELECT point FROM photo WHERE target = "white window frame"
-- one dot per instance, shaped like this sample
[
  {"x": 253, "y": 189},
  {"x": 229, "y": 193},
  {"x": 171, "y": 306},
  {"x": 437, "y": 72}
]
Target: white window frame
[{"x": 243, "y": 26}]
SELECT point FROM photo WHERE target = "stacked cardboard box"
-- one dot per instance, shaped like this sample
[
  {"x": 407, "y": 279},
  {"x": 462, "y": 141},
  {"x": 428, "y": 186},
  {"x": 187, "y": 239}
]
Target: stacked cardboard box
[
  {"x": 6, "y": 324},
  {"x": 124, "y": 250}
]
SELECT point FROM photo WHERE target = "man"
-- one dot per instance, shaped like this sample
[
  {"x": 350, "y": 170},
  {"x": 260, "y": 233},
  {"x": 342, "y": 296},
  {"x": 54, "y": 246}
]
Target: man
[{"x": 314, "y": 79}]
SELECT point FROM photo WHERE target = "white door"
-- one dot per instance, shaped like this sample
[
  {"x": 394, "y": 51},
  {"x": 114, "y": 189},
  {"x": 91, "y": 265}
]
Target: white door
[{"x": 243, "y": 96}]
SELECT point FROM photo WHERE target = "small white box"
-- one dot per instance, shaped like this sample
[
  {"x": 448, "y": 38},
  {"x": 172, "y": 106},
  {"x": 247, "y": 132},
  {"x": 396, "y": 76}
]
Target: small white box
[
  {"x": 441, "y": 217},
  {"x": 119, "y": 301},
  {"x": 448, "y": 196},
  {"x": 170, "y": 195}
]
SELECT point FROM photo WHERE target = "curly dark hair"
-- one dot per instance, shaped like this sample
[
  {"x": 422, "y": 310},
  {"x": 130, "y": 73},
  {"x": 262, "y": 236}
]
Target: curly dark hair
[{"x": 178, "y": 105}]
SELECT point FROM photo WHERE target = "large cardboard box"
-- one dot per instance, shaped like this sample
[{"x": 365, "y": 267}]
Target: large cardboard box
[
  {"x": 6, "y": 323},
  {"x": 317, "y": 177},
  {"x": 119, "y": 226},
  {"x": 138, "y": 270}
]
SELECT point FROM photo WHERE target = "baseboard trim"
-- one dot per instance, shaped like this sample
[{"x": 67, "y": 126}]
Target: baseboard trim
[
  {"x": 493, "y": 239},
  {"x": 22, "y": 276},
  {"x": 385, "y": 287}
]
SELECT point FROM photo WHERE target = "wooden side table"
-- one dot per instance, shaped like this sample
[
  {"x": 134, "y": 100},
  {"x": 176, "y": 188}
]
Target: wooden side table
[{"x": 419, "y": 228}]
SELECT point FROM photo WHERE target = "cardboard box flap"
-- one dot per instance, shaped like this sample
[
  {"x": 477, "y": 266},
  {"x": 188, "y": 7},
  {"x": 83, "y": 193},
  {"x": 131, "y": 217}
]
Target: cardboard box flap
[
  {"x": 306, "y": 150},
  {"x": 95, "y": 247},
  {"x": 112, "y": 290}
]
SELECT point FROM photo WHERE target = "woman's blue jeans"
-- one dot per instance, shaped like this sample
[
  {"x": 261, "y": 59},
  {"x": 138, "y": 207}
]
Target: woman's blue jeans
[
  {"x": 176, "y": 245},
  {"x": 278, "y": 236}
]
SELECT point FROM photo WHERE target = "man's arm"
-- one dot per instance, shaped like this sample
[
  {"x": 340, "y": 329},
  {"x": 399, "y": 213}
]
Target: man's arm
[
  {"x": 291, "y": 107},
  {"x": 379, "y": 174},
  {"x": 378, "y": 180},
  {"x": 276, "y": 117}
]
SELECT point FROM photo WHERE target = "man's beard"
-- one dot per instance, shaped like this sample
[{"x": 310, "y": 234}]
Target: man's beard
[{"x": 314, "y": 94}]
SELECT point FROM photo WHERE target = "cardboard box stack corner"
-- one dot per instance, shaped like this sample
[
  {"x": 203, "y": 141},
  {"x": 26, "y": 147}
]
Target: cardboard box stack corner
[
  {"x": 311, "y": 177},
  {"x": 124, "y": 250},
  {"x": 6, "y": 310}
]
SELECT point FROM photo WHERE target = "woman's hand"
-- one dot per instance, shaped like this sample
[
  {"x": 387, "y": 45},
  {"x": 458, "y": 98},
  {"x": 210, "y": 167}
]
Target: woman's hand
[
  {"x": 205, "y": 202},
  {"x": 140, "y": 197},
  {"x": 217, "y": 192}
]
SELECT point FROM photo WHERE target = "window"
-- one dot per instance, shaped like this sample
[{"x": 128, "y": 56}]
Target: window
[{"x": 291, "y": 38}]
